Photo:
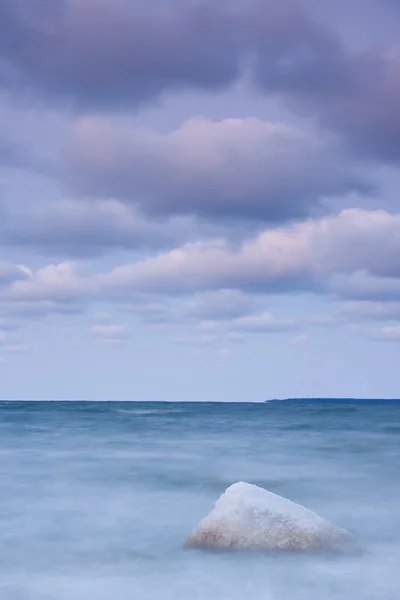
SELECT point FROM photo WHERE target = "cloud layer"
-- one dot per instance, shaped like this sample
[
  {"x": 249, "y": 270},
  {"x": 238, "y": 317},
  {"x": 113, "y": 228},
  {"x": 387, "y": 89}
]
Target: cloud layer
[
  {"x": 304, "y": 256},
  {"x": 117, "y": 53}
]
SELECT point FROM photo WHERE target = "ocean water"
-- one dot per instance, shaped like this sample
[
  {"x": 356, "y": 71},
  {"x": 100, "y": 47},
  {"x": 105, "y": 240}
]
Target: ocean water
[{"x": 96, "y": 499}]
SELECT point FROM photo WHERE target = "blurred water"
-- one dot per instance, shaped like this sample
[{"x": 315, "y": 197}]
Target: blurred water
[{"x": 96, "y": 499}]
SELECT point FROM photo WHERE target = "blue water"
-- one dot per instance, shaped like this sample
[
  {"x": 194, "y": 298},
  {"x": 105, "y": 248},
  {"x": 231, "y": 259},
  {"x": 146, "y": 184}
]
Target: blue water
[{"x": 96, "y": 499}]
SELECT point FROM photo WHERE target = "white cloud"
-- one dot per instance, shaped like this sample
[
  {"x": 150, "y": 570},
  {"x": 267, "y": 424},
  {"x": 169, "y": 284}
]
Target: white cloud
[
  {"x": 300, "y": 256},
  {"x": 224, "y": 352},
  {"x": 263, "y": 323},
  {"x": 109, "y": 332},
  {"x": 388, "y": 333},
  {"x": 17, "y": 349},
  {"x": 54, "y": 282},
  {"x": 300, "y": 340}
]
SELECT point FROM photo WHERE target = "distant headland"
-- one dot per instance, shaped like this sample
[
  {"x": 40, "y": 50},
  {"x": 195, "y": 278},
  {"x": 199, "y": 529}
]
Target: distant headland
[{"x": 337, "y": 400}]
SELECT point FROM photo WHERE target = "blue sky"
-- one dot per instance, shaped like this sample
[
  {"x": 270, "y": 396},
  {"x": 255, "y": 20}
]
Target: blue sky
[{"x": 199, "y": 199}]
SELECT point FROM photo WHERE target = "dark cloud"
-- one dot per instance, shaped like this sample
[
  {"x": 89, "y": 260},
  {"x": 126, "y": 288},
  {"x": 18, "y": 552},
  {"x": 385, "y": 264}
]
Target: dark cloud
[
  {"x": 120, "y": 53},
  {"x": 352, "y": 92},
  {"x": 234, "y": 168},
  {"x": 116, "y": 52}
]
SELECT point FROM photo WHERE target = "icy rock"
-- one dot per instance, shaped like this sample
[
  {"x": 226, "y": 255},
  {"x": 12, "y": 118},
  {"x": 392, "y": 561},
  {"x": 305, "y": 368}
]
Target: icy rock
[{"x": 249, "y": 517}]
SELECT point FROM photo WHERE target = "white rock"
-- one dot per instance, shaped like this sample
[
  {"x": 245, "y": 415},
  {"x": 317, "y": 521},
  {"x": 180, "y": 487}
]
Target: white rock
[{"x": 249, "y": 517}]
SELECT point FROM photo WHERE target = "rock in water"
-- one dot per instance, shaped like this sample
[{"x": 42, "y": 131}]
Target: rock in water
[{"x": 249, "y": 517}]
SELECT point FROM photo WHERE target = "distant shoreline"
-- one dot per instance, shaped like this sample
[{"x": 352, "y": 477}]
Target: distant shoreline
[{"x": 338, "y": 400}]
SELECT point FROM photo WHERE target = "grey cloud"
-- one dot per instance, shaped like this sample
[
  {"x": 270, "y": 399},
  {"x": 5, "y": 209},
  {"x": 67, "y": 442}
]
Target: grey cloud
[
  {"x": 233, "y": 168},
  {"x": 109, "y": 53},
  {"x": 374, "y": 311},
  {"x": 85, "y": 229},
  {"x": 18, "y": 314},
  {"x": 10, "y": 273},
  {"x": 355, "y": 93},
  {"x": 360, "y": 285},
  {"x": 33, "y": 309}
]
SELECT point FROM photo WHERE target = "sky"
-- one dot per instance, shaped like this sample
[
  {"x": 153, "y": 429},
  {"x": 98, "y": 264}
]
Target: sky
[{"x": 199, "y": 199}]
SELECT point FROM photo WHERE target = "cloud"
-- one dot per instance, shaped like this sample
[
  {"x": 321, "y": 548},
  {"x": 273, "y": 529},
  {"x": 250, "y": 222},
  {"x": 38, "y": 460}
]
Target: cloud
[
  {"x": 360, "y": 285},
  {"x": 211, "y": 265},
  {"x": 115, "y": 52},
  {"x": 59, "y": 283},
  {"x": 110, "y": 334},
  {"x": 224, "y": 352},
  {"x": 37, "y": 308},
  {"x": 16, "y": 349},
  {"x": 81, "y": 228},
  {"x": 353, "y": 255},
  {"x": 221, "y": 304},
  {"x": 105, "y": 54},
  {"x": 388, "y": 333},
  {"x": 296, "y": 257},
  {"x": 300, "y": 340},
  {"x": 207, "y": 310},
  {"x": 234, "y": 168},
  {"x": 356, "y": 93},
  {"x": 375, "y": 311},
  {"x": 7, "y": 324},
  {"x": 153, "y": 312},
  {"x": 10, "y": 273},
  {"x": 263, "y": 323}
]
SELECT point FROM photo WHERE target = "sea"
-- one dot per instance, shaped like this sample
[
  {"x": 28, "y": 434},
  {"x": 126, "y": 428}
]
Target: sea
[{"x": 97, "y": 498}]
